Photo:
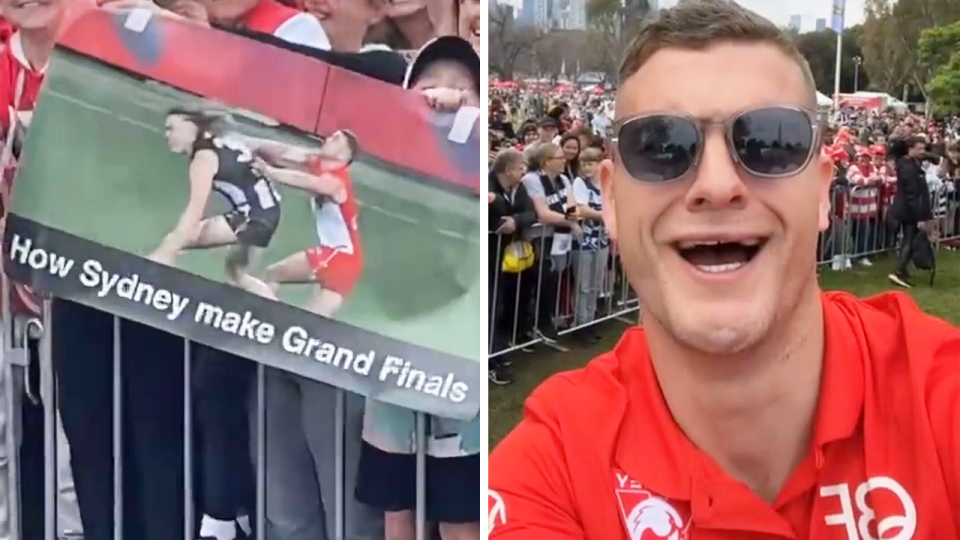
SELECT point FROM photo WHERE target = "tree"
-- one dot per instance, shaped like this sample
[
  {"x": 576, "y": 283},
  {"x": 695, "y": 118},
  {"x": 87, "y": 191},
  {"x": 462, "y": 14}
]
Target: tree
[
  {"x": 892, "y": 31},
  {"x": 509, "y": 43},
  {"x": 885, "y": 59},
  {"x": 939, "y": 52},
  {"x": 613, "y": 24},
  {"x": 820, "y": 50}
]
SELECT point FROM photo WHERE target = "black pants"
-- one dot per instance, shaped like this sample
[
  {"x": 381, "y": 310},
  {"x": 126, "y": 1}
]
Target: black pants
[
  {"x": 549, "y": 283},
  {"x": 222, "y": 388},
  {"x": 153, "y": 442},
  {"x": 910, "y": 230}
]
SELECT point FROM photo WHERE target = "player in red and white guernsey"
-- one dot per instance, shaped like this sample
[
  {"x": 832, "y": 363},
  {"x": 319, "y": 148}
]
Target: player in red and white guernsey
[{"x": 336, "y": 262}]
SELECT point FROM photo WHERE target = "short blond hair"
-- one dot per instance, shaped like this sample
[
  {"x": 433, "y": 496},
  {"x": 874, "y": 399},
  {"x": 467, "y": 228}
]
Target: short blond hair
[
  {"x": 591, "y": 155},
  {"x": 699, "y": 24},
  {"x": 544, "y": 152}
]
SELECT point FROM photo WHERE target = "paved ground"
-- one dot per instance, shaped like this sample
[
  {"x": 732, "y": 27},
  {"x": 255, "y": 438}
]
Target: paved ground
[
  {"x": 530, "y": 370},
  {"x": 98, "y": 161}
]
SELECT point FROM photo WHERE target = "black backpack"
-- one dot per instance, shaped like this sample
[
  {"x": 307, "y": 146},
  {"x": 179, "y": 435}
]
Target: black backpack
[{"x": 923, "y": 255}]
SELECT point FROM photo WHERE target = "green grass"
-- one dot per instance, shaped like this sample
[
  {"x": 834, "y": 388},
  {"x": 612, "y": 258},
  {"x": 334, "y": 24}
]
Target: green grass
[{"x": 506, "y": 403}]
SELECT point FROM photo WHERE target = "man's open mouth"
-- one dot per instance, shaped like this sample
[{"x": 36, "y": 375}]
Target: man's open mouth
[{"x": 719, "y": 256}]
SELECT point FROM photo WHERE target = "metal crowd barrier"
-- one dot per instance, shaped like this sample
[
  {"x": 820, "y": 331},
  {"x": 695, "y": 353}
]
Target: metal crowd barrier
[
  {"x": 860, "y": 228},
  {"x": 14, "y": 361},
  {"x": 552, "y": 287}
]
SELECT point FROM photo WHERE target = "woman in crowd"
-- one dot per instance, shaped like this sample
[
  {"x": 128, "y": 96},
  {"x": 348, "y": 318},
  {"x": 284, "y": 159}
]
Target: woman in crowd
[
  {"x": 570, "y": 143},
  {"x": 554, "y": 203}
]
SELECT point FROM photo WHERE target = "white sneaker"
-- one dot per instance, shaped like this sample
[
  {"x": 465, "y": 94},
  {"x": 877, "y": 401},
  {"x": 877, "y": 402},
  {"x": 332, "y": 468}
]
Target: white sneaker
[
  {"x": 866, "y": 262},
  {"x": 215, "y": 529}
]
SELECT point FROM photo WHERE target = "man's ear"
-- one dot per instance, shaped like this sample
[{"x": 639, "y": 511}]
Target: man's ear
[
  {"x": 824, "y": 165},
  {"x": 606, "y": 191}
]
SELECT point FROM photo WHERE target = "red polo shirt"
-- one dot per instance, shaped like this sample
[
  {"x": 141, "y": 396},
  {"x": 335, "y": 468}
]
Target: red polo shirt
[{"x": 599, "y": 456}]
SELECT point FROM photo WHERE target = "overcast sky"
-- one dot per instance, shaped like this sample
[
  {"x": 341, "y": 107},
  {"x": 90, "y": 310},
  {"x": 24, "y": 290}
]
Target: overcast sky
[{"x": 779, "y": 11}]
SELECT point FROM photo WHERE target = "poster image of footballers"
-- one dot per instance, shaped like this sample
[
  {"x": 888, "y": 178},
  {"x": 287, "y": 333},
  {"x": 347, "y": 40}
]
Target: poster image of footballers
[
  {"x": 225, "y": 165},
  {"x": 245, "y": 171},
  {"x": 257, "y": 217}
]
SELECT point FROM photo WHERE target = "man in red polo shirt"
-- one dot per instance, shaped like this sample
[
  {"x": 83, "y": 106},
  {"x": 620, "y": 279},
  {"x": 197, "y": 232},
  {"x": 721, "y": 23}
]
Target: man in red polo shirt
[{"x": 751, "y": 405}]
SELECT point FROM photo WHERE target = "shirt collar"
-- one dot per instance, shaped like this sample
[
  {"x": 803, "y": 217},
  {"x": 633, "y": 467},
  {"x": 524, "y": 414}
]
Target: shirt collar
[
  {"x": 654, "y": 451},
  {"x": 16, "y": 50}
]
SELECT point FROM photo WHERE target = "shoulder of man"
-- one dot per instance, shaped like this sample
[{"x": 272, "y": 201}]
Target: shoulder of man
[
  {"x": 560, "y": 450},
  {"x": 912, "y": 371}
]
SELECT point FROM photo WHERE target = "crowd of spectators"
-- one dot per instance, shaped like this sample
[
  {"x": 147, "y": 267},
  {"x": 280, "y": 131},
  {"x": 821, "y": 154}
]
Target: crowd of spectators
[
  {"x": 549, "y": 147},
  {"x": 547, "y": 154},
  {"x": 376, "y": 38}
]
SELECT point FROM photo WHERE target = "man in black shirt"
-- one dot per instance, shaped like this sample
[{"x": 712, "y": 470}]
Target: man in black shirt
[
  {"x": 510, "y": 212},
  {"x": 911, "y": 205}
]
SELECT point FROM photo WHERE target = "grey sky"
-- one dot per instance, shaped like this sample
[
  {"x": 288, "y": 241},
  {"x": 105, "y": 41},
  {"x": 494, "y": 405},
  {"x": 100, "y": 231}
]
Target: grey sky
[{"x": 779, "y": 11}]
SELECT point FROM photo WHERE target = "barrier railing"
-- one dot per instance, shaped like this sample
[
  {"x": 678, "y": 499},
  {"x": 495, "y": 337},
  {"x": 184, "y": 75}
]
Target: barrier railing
[
  {"x": 14, "y": 363},
  {"x": 556, "y": 287},
  {"x": 567, "y": 291},
  {"x": 862, "y": 226}
]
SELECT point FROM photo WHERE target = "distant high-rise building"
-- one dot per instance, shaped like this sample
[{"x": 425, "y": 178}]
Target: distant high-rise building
[
  {"x": 527, "y": 10},
  {"x": 821, "y": 25},
  {"x": 542, "y": 13},
  {"x": 795, "y": 21},
  {"x": 577, "y": 15},
  {"x": 654, "y": 5}
]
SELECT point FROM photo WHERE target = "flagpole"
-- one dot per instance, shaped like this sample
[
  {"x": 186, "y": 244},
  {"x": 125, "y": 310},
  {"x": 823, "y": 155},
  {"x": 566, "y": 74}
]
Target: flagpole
[
  {"x": 836, "y": 84},
  {"x": 839, "y": 7}
]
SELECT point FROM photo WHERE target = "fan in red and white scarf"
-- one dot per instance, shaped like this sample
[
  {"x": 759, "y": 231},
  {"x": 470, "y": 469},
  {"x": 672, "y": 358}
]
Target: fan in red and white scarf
[
  {"x": 862, "y": 172},
  {"x": 23, "y": 64}
]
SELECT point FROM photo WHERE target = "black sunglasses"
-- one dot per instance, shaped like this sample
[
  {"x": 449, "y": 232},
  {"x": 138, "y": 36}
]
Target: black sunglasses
[{"x": 769, "y": 142}]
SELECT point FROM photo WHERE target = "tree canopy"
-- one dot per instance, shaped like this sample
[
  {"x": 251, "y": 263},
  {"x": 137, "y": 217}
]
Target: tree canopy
[
  {"x": 891, "y": 36},
  {"x": 940, "y": 54},
  {"x": 820, "y": 50}
]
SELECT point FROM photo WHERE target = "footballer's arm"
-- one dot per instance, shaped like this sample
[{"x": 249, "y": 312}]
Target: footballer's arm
[
  {"x": 203, "y": 168},
  {"x": 324, "y": 184},
  {"x": 278, "y": 153}
]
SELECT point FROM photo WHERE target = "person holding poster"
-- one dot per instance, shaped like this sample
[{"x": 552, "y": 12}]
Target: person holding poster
[
  {"x": 28, "y": 31},
  {"x": 226, "y": 166},
  {"x": 446, "y": 72}
]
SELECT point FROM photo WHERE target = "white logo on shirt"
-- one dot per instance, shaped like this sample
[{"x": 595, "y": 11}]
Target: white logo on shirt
[
  {"x": 647, "y": 516},
  {"x": 904, "y": 525},
  {"x": 657, "y": 517},
  {"x": 498, "y": 511}
]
